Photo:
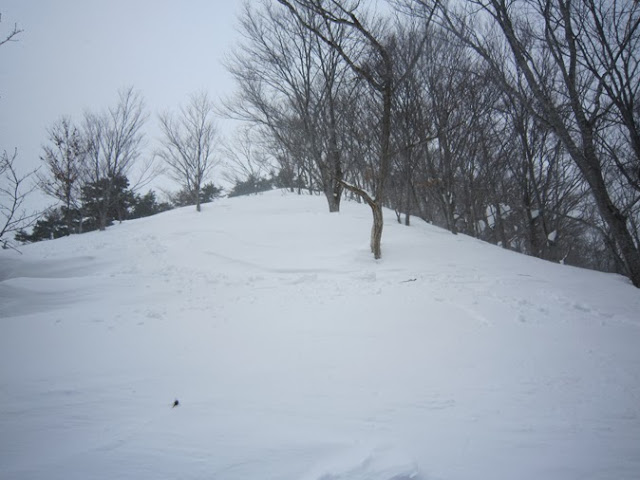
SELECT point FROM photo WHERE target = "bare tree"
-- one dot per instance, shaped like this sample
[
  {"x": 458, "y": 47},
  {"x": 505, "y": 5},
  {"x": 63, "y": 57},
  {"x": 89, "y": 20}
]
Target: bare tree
[
  {"x": 296, "y": 90},
  {"x": 13, "y": 192},
  {"x": 378, "y": 71},
  {"x": 547, "y": 188},
  {"x": 113, "y": 143},
  {"x": 381, "y": 81},
  {"x": 189, "y": 143},
  {"x": 64, "y": 159},
  {"x": 244, "y": 157},
  {"x": 411, "y": 127}
]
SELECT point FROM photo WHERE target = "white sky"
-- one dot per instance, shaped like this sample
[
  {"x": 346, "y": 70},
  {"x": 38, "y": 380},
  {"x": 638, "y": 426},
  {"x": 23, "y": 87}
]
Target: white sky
[{"x": 74, "y": 55}]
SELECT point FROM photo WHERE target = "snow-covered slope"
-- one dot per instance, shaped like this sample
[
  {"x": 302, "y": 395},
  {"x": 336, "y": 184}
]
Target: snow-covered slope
[{"x": 295, "y": 355}]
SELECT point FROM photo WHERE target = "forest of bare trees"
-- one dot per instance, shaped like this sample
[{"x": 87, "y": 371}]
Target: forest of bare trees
[{"x": 514, "y": 122}]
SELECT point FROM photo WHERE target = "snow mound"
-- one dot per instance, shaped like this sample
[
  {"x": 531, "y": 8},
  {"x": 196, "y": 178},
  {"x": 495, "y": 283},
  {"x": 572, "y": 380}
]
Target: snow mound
[{"x": 296, "y": 356}]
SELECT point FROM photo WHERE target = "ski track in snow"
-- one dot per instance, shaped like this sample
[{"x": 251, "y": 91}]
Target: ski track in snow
[{"x": 295, "y": 355}]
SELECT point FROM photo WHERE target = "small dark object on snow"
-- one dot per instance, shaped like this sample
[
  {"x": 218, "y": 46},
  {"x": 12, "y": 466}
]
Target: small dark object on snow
[{"x": 175, "y": 403}]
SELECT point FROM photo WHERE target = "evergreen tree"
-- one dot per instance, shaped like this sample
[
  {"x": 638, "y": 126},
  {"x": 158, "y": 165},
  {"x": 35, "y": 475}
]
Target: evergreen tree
[
  {"x": 252, "y": 185},
  {"x": 106, "y": 200},
  {"x": 208, "y": 193},
  {"x": 55, "y": 223},
  {"x": 147, "y": 205}
]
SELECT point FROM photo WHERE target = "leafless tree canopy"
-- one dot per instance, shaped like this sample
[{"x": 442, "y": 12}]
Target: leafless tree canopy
[
  {"x": 189, "y": 144},
  {"x": 14, "y": 189},
  {"x": 64, "y": 160},
  {"x": 114, "y": 137},
  {"x": 245, "y": 157},
  {"x": 113, "y": 143},
  {"x": 575, "y": 67}
]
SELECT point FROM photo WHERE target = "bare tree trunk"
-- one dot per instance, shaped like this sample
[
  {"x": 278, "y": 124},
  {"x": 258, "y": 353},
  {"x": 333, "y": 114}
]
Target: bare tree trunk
[
  {"x": 103, "y": 221},
  {"x": 376, "y": 211},
  {"x": 617, "y": 223},
  {"x": 500, "y": 226},
  {"x": 376, "y": 230},
  {"x": 407, "y": 200},
  {"x": 334, "y": 194}
]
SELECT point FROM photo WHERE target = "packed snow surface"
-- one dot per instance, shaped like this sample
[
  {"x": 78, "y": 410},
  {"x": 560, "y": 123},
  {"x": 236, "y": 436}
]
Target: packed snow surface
[{"x": 295, "y": 355}]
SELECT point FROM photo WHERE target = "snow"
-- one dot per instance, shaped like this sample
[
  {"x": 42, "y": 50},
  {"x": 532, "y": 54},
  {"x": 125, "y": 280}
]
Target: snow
[
  {"x": 295, "y": 355},
  {"x": 493, "y": 213}
]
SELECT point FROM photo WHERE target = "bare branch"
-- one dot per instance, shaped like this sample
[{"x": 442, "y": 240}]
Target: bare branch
[
  {"x": 11, "y": 36},
  {"x": 13, "y": 192}
]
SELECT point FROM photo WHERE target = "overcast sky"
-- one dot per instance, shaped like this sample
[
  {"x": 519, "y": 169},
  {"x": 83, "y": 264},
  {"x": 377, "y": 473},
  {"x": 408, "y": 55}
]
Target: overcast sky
[{"x": 75, "y": 55}]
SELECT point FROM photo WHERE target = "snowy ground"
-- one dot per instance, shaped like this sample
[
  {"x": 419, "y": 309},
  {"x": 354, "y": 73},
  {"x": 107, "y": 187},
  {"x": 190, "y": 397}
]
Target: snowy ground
[{"x": 296, "y": 356}]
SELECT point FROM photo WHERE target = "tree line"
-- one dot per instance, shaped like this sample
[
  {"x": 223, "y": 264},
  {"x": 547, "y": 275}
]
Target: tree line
[
  {"x": 516, "y": 122},
  {"x": 87, "y": 167}
]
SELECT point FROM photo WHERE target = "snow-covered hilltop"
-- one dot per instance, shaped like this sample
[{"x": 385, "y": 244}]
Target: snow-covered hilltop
[{"x": 294, "y": 355}]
